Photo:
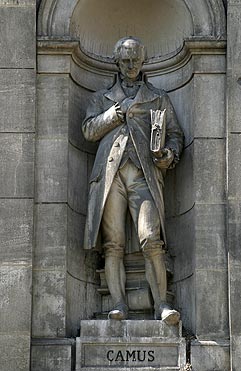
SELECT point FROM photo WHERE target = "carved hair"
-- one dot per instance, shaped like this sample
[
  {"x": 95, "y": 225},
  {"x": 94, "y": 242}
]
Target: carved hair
[{"x": 121, "y": 42}]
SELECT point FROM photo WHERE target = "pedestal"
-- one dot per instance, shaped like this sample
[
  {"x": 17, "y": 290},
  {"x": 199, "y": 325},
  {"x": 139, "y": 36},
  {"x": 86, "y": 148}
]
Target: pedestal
[{"x": 141, "y": 345}]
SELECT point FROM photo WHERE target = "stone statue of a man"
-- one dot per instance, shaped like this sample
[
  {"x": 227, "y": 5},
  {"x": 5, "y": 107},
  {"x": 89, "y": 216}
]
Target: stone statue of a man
[{"x": 126, "y": 175}]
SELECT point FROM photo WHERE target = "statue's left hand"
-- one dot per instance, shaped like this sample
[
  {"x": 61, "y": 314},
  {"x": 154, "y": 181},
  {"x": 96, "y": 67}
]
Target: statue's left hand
[{"x": 164, "y": 159}]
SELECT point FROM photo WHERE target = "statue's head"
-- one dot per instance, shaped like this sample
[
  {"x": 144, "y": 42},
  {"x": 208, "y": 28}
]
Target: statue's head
[{"x": 130, "y": 54}]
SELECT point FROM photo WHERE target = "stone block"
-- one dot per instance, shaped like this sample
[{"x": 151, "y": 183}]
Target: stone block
[
  {"x": 93, "y": 300},
  {"x": 90, "y": 80},
  {"x": 51, "y": 170},
  {"x": 235, "y": 297},
  {"x": 75, "y": 304},
  {"x": 181, "y": 244},
  {"x": 234, "y": 96},
  {"x": 16, "y": 221},
  {"x": 15, "y": 298},
  {"x": 179, "y": 98},
  {"x": 234, "y": 168},
  {"x": 53, "y": 98},
  {"x": 234, "y": 36},
  {"x": 211, "y": 310},
  {"x": 55, "y": 355},
  {"x": 83, "y": 301},
  {"x": 49, "y": 303},
  {"x": 178, "y": 190},
  {"x": 213, "y": 66},
  {"x": 50, "y": 236},
  {"x": 128, "y": 329},
  {"x": 17, "y": 2},
  {"x": 79, "y": 99},
  {"x": 210, "y": 355},
  {"x": 209, "y": 170},
  {"x": 78, "y": 180},
  {"x": 181, "y": 237},
  {"x": 18, "y": 30},
  {"x": 210, "y": 236},
  {"x": 134, "y": 345},
  {"x": 17, "y": 165},
  {"x": 184, "y": 301},
  {"x": 53, "y": 63},
  {"x": 81, "y": 263},
  {"x": 15, "y": 352},
  {"x": 18, "y": 91},
  {"x": 209, "y": 107},
  {"x": 236, "y": 352}
]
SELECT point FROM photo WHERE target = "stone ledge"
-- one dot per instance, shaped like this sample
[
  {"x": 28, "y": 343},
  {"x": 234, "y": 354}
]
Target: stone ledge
[{"x": 129, "y": 329}]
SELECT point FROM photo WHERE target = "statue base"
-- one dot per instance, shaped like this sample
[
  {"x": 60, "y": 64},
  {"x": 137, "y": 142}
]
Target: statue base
[{"x": 139, "y": 345}]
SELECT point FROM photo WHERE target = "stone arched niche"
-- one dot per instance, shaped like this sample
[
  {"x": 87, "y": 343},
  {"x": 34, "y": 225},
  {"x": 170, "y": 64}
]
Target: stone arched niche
[
  {"x": 161, "y": 24},
  {"x": 188, "y": 75},
  {"x": 99, "y": 30}
]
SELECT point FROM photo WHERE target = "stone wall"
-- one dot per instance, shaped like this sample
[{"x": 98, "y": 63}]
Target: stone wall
[
  {"x": 48, "y": 283},
  {"x": 17, "y": 134}
]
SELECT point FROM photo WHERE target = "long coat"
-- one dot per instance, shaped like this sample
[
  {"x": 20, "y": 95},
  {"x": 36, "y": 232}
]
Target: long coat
[{"x": 102, "y": 124}]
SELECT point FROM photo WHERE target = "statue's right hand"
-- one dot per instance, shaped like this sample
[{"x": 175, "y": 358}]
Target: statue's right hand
[{"x": 119, "y": 112}]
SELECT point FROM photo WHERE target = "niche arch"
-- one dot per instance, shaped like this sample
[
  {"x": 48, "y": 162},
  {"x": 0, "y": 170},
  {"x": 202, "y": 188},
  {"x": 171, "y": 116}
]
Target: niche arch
[{"x": 97, "y": 30}]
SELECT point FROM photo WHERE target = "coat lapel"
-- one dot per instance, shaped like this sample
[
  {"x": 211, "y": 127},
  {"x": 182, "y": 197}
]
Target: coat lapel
[
  {"x": 116, "y": 93},
  {"x": 144, "y": 94}
]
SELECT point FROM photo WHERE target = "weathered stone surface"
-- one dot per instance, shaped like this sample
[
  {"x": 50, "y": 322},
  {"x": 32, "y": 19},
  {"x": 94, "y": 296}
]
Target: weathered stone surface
[
  {"x": 17, "y": 2},
  {"x": 81, "y": 264},
  {"x": 52, "y": 95},
  {"x": 210, "y": 236},
  {"x": 234, "y": 226},
  {"x": 15, "y": 351},
  {"x": 17, "y": 30},
  {"x": 75, "y": 304},
  {"x": 184, "y": 111},
  {"x": 173, "y": 81},
  {"x": 213, "y": 65},
  {"x": 129, "y": 329},
  {"x": 234, "y": 96},
  {"x": 140, "y": 345},
  {"x": 234, "y": 153},
  {"x": 184, "y": 300},
  {"x": 210, "y": 355},
  {"x": 79, "y": 99},
  {"x": 50, "y": 236},
  {"x": 49, "y": 303},
  {"x": 209, "y": 107},
  {"x": 16, "y": 221},
  {"x": 53, "y": 63},
  {"x": 209, "y": 169},
  {"x": 17, "y": 96},
  {"x": 17, "y": 165},
  {"x": 211, "y": 288},
  {"x": 51, "y": 356},
  {"x": 51, "y": 170},
  {"x": 78, "y": 180},
  {"x": 15, "y": 298},
  {"x": 82, "y": 302},
  {"x": 236, "y": 350},
  {"x": 178, "y": 191},
  {"x": 235, "y": 297},
  {"x": 181, "y": 245}
]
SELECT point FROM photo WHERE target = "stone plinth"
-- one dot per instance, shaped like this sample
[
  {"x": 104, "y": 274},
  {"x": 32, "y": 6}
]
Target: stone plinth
[{"x": 140, "y": 345}]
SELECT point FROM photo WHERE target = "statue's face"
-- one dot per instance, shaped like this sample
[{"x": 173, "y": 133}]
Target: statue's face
[{"x": 130, "y": 60}]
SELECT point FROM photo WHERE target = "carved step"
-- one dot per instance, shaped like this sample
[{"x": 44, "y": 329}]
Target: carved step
[
  {"x": 139, "y": 299},
  {"x": 138, "y": 294}
]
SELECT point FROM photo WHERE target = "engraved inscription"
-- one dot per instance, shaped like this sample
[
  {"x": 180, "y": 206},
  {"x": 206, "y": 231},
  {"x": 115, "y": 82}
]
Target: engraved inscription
[{"x": 130, "y": 356}]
